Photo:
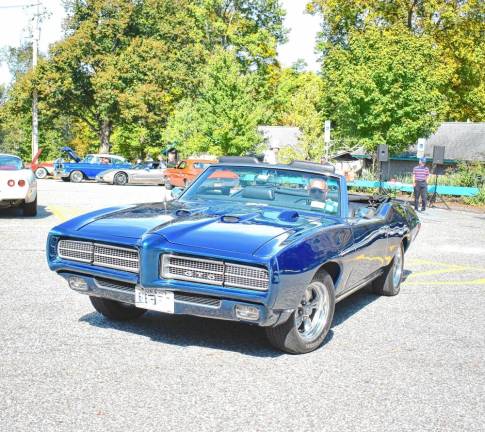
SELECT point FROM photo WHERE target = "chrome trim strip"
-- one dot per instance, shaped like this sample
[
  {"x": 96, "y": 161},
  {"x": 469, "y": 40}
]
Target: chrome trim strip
[{"x": 198, "y": 304}]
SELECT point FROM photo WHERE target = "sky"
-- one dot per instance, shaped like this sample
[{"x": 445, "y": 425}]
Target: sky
[{"x": 16, "y": 28}]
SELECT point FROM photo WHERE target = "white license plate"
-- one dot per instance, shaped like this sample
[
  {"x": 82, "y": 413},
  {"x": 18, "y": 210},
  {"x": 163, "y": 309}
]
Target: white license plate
[{"x": 154, "y": 299}]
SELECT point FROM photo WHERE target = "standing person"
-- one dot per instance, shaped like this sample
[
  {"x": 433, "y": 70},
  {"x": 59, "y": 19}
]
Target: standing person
[{"x": 420, "y": 183}]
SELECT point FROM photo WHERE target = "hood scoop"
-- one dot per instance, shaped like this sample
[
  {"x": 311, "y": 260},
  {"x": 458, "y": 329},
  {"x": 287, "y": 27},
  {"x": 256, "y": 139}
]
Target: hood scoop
[
  {"x": 183, "y": 213},
  {"x": 288, "y": 216}
]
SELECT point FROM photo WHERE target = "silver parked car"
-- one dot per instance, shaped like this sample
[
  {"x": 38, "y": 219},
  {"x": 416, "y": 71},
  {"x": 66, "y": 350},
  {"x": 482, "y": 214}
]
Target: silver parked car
[{"x": 143, "y": 173}]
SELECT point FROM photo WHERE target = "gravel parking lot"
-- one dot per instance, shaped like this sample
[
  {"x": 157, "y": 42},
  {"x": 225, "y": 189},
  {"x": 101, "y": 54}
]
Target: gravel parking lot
[{"x": 412, "y": 362}]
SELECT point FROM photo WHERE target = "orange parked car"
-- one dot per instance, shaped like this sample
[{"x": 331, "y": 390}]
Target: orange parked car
[{"x": 185, "y": 172}]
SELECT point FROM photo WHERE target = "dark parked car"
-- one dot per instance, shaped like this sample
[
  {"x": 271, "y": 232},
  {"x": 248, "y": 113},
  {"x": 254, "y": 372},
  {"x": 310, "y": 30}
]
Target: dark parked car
[{"x": 271, "y": 245}]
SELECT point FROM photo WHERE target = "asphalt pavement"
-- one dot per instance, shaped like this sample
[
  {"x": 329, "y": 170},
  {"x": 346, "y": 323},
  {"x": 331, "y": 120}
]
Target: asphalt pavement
[{"x": 414, "y": 362}]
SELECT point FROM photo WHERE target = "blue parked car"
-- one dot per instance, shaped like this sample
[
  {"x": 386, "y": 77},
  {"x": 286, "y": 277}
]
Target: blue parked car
[
  {"x": 87, "y": 168},
  {"x": 271, "y": 245}
]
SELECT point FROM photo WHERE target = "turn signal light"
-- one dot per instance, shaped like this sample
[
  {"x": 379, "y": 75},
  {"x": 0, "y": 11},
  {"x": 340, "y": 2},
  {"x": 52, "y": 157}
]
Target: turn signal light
[
  {"x": 245, "y": 312},
  {"x": 21, "y": 183},
  {"x": 11, "y": 183}
]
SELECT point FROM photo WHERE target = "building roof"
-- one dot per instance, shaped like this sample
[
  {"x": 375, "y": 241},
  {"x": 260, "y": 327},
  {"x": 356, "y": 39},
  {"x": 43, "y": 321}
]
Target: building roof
[
  {"x": 462, "y": 141},
  {"x": 280, "y": 136}
]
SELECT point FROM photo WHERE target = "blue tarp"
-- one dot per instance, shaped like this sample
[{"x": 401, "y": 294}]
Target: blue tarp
[{"x": 403, "y": 187}]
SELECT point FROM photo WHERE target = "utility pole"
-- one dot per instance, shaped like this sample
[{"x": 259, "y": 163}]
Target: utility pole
[{"x": 35, "y": 51}]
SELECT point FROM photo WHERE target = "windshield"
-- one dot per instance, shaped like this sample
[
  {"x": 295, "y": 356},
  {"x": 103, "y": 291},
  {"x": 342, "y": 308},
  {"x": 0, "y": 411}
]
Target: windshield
[
  {"x": 10, "y": 163},
  {"x": 268, "y": 186}
]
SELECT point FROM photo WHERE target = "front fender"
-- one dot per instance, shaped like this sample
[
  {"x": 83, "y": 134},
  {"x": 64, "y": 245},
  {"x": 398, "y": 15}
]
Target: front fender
[{"x": 300, "y": 262}]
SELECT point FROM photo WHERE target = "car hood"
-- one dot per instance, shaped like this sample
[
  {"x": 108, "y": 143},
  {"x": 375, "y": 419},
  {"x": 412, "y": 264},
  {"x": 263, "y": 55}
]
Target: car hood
[{"x": 218, "y": 226}]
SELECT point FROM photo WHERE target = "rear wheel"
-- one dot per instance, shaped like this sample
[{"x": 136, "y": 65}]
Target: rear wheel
[
  {"x": 41, "y": 173},
  {"x": 308, "y": 325},
  {"x": 115, "y": 310},
  {"x": 120, "y": 179},
  {"x": 30, "y": 209},
  {"x": 389, "y": 283},
  {"x": 76, "y": 177}
]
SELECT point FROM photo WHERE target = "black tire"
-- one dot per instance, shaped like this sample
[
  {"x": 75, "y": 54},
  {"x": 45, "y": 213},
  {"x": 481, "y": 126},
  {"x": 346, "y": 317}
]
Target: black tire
[
  {"x": 41, "y": 173},
  {"x": 30, "y": 209},
  {"x": 289, "y": 336},
  {"x": 168, "y": 185},
  {"x": 115, "y": 310},
  {"x": 76, "y": 176},
  {"x": 65, "y": 179},
  {"x": 120, "y": 179},
  {"x": 389, "y": 283}
]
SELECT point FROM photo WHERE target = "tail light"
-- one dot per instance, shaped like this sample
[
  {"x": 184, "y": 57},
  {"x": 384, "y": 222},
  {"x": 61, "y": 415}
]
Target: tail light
[
  {"x": 11, "y": 183},
  {"x": 21, "y": 183}
]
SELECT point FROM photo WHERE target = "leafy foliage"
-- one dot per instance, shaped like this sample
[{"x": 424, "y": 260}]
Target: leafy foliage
[
  {"x": 385, "y": 86},
  {"x": 298, "y": 102},
  {"x": 456, "y": 27},
  {"x": 223, "y": 118}
]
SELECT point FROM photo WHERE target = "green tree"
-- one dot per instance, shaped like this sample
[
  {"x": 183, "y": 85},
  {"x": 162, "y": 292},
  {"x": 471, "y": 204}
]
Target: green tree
[
  {"x": 124, "y": 65},
  {"x": 298, "y": 102},
  {"x": 385, "y": 86},
  {"x": 223, "y": 119},
  {"x": 456, "y": 27}
]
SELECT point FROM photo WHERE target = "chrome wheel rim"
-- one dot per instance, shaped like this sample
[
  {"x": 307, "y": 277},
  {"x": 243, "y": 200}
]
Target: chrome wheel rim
[
  {"x": 312, "y": 312},
  {"x": 121, "y": 179},
  {"x": 397, "y": 268},
  {"x": 40, "y": 173},
  {"x": 77, "y": 177}
]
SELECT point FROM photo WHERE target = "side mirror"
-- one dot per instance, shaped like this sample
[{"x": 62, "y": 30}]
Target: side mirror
[{"x": 176, "y": 192}]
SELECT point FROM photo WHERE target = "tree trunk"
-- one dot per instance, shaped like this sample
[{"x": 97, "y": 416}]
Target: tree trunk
[{"x": 104, "y": 135}]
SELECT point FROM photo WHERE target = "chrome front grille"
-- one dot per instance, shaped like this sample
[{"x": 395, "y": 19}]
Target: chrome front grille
[
  {"x": 102, "y": 255},
  {"x": 246, "y": 277},
  {"x": 116, "y": 257},
  {"x": 75, "y": 250},
  {"x": 214, "y": 272},
  {"x": 192, "y": 269}
]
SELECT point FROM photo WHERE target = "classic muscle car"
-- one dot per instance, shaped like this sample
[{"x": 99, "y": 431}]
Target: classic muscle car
[
  {"x": 276, "y": 248},
  {"x": 185, "y": 172},
  {"x": 18, "y": 186},
  {"x": 142, "y": 173},
  {"x": 89, "y": 167}
]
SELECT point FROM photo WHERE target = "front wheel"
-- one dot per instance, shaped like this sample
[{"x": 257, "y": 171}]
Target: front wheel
[
  {"x": 41, "y": 173},
  {"x": 308, "y": 325},
  {"x": 389, "y": 283},
  {"x": 120, "y": 179},
  {"x": 76, "y": 176},
  {"x": 115, "y": 310}
]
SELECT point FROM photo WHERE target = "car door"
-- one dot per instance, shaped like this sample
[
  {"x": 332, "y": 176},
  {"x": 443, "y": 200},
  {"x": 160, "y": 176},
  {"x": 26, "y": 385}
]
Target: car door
[
  {"x": 370, "y": 247},
  {"x": 151, "y": 175}
]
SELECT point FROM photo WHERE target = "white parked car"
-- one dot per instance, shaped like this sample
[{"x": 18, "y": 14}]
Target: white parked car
[
  {"x": 150, "y": 173},
  {"x": 18, "y": 186}
]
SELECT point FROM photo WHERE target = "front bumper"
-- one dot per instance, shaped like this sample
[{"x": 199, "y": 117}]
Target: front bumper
[{"x": 186, "y": 303}]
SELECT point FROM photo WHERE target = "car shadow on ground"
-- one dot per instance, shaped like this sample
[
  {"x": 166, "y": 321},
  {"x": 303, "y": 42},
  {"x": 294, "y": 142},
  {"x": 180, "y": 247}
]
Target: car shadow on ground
[
  {"x": 16, "y": 213},
  {"x": 183, "y": 330}
]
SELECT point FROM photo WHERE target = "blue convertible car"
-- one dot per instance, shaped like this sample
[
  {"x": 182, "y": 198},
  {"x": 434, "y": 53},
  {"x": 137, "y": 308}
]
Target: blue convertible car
[{"x": 272, "y": 245}]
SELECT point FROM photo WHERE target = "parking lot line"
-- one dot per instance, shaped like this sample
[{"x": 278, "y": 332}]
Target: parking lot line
[
  {"x": 449, "y": 282},
  {"x": 64, "y": 213},
  {"x": 442, "y": 264}
]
